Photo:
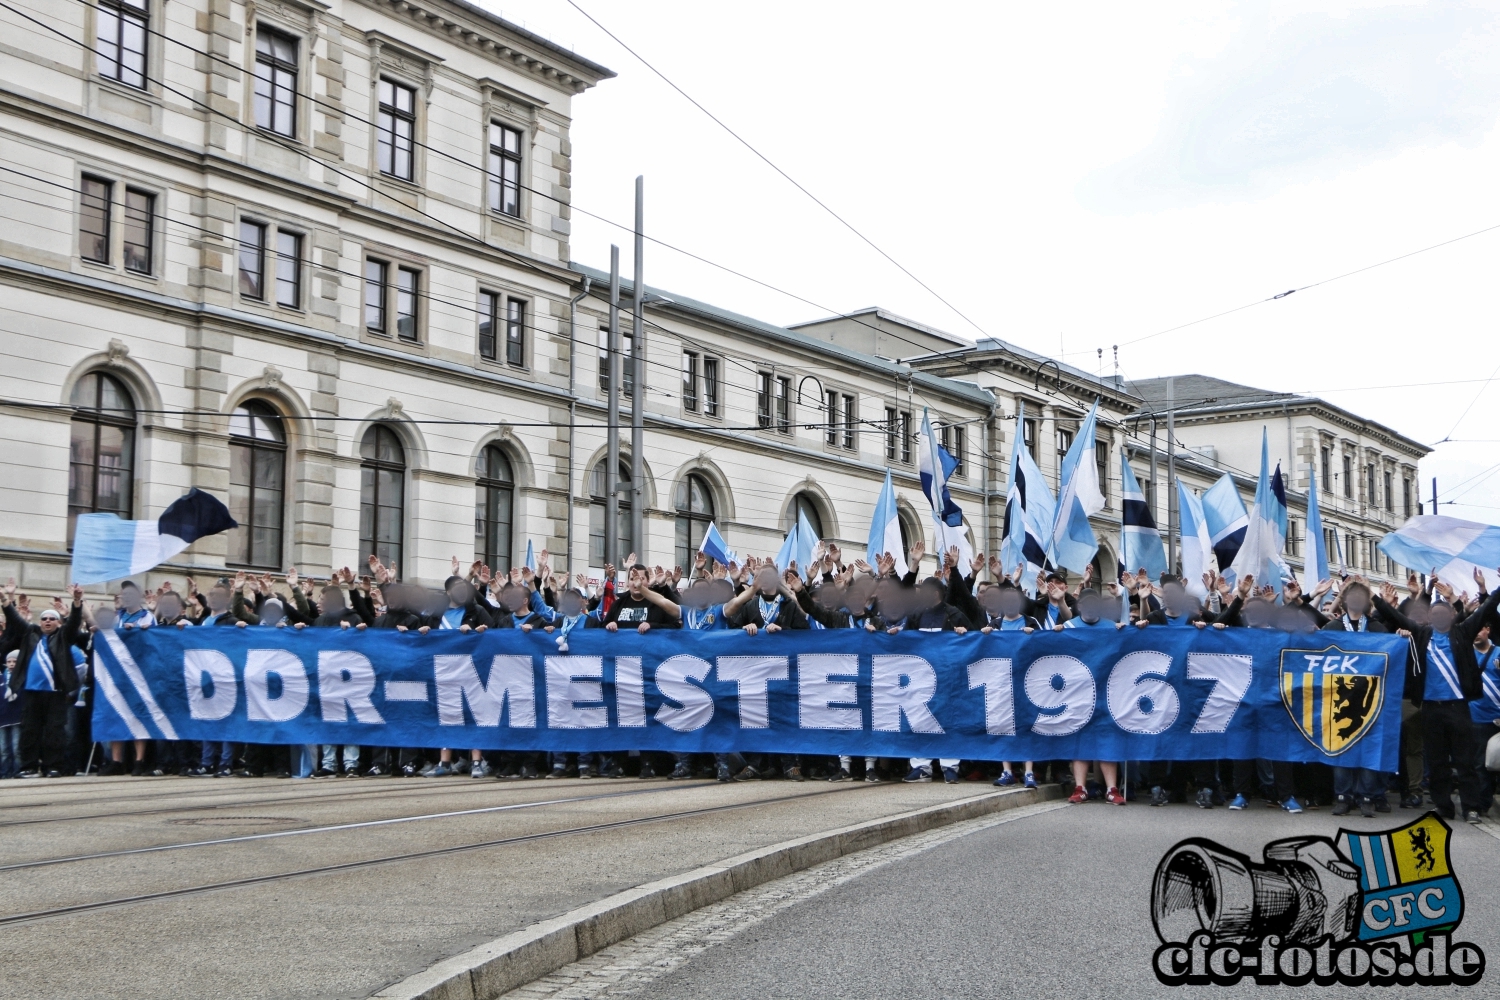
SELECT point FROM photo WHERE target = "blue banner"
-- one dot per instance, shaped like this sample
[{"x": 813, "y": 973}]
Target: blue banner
[{"x": 1133, "y": 694}]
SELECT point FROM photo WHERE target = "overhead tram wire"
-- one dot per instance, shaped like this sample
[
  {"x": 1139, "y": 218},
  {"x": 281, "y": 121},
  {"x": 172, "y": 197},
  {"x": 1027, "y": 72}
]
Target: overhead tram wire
[
  {"x": 484, "y": 169},
  {"x": 767, "y": 161}
]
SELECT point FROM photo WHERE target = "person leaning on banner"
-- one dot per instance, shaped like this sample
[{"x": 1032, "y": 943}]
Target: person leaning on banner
[
  {"x": 46, "y": 679},
  {"x": 1484, "y": 713},
  {"x": 1351, "y": 784},
  {"x": 767, "y": 605},
  {"x": 1445, "y": 679}
]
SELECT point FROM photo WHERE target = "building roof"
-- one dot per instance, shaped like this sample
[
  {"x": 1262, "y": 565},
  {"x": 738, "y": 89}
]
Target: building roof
[
  {"x": 889, "y": 317},
  {"x": 603, "y": 72},
  {"x": 1202, "y": 395},
  {"x": 1198, "y": 391},
  {"x": 673, "y": 302}
]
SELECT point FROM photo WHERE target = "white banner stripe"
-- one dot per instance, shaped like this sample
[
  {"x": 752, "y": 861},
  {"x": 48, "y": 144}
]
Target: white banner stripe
[
  {"x": 1372, "y": 873},
  {"x": 1390, "y": 862},
  {"x": 106, "y": 682},
  {"x": 133, "y": 671}
]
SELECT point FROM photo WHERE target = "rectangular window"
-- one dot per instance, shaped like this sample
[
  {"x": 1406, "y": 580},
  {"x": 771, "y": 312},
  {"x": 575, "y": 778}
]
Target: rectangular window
[
  {"x": 1028, "y": 437},
  {"x": 1101, "y": 459},
  {"x": 515, "y": 333},
  {"x": 505, "y": 170},
  {"x": 763, "y": 400},
  {"x": 1349, "y": 477},
  {"x": 120, "y": 41},
  {"x": 892, "y": 434},
  {"x": 140, "y": 217},
  {"x": 93, "y": 219},
  {"x": 288, "y": 270},
  {"x": 627, "y": 364},
  {"x": 906, "y": 435},
  {"x": 960, "y": 450},
  {"x": 851, "y": 441},
  {"x": 376, "y": 278},
  {"x": 489, "y": 319},
  {"x": 943, "y": 434},
  {"x": 603, "y": 361},
  {"x": 1351, "y": 552},
  {"x": 1292, "y": 543},
  {"x": 1390, "y": 499},
  {"x": 1406, "y": 497},
  {"x": 395, "y": 129},
  {"x": 1064, "y": 442},
  {"x": 711, "y": 387},
  {"x": 831, "y": 431},
  {"x": 690, "y": 380},
  {"x": 275, "y": 82},
  {"x": 1370, "y": 497},
  {"x": 1325, "y": 468},
  {"x": 784, "y": 404},
  {"x": 408, "y": 284},
  {"x": 252, "y": 260}
]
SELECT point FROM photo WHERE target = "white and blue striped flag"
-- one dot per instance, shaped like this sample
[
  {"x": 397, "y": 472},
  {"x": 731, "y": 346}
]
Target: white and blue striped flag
[
  {"x": 1029, "y": 512},
  {"x": 1315, "y": 563},
  {"x": 530, "y": 562},
  {"x": 1261, "y": 553},
  {"x": 885, "y": 529},
  {"x": 1224, "y": 513},
  {"x": 787, "y": 554},
  {"x": 934, "y": 467},
  {"x": 1451, "y": 547},
  {"x": 1140, "y": 541},
  {"x": 1079, "y": 497},
  {"x": 1196, "y": 545},
  {"x": 108, "y": 548},
  {"x": 714, "y": 546}
]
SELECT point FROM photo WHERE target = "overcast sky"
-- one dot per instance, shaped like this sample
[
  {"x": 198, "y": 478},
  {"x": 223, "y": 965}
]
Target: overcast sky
[{"x": 1072, "y": 177}]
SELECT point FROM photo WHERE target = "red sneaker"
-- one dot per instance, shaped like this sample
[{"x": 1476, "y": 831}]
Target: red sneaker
[
  {"x": 1114, "y": 798},
  {"x": 1080, "y": 794}
]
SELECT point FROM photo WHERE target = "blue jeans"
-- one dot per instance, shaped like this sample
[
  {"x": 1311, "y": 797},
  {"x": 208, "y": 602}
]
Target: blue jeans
[
  {"x": 1360, "y": 781},
  {"x": 10, "y": 750},
  {"x": 331, "y": 753},
  {"x": 224, "y": 750}
]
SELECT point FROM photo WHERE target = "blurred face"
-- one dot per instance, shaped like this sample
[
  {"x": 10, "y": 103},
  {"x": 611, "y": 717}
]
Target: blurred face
[
  {"x": 1009, "y": 601},
  {"x": 829, "y": 596},
  {"x": 1357, "y": 602},
  {"x": 570, "y": 604},
  {"x": 218, "y": 599},
  {"x": 699, "y": 595},
  {"x": 130, "y": 599},
  {"x": 168, "y": 605},
  {"x": 768, "y": 581},
  {"x": 1090, "y": 608},
  {"x": 857, "y": 597},
  {"x": 1483, "y": 638},
  {"x": 515, "y": 599},
  {"x": 460, "y": 593},
  {"x": 271, "y": 612},
  {"x": 1440, "y": 617},
  {"x": 1419, "y": 612},
  {"x": 333, "y": 600},
  {"x": 1177, "y": 601},
  {"x": 720, "y": 591},
  {"x": 637, "y": 582},
  {"x": 105, "y": 617},
  {"x": 928, "y": 597},
  {"x": 1291, "y": 619},
  {"x": 1258, "y": 614}
]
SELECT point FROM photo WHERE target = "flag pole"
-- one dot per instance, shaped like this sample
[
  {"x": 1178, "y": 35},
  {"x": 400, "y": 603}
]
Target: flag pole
[
  {"x": 1171, "y": 476},
  {"x": 612, "y": 460}
]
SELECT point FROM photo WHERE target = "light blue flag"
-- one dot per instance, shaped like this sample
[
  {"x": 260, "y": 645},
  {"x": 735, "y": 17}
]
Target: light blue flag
[
  {"x": 807, "y": 541},
  {"x": 1261, "y": 553},
  {"x": 1140, "y": 541},
  {"x": 530, "y": 557},
  {"x": 1451, "y": 547},
  {"x": 108, "y": 548},
  {"x": 788, "y": 551},
  {"x": 1224, "y": 514},
  {"x": 715, "y": 547},
  {"x": 1315, "y": 564},
  {"x": 1073, "y": 544},
  {"x": 885, "y": 529},
  {"x": 1194, "y": 542},
  {"x": 934, "y": 467},
  {"x": 1029, "y": 513}
]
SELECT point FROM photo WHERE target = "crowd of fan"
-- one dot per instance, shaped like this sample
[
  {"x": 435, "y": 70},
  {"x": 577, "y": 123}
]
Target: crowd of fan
[{"x": 1451, "y": 711}]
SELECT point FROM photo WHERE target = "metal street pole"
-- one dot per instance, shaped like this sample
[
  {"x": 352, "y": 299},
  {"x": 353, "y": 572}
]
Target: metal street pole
[
  {"x": 573, "y": 407},
  {"x": 612, "y": 461},
  {"x": 1171, "y": 476},
  {"x": 638, "y": 390}
]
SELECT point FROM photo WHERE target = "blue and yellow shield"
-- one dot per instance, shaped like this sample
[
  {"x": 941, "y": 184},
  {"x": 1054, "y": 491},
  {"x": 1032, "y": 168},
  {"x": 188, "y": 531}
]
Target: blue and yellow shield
[
  {"x": 1334, "y": 695},
  {"x": 1406, "y": 881}
]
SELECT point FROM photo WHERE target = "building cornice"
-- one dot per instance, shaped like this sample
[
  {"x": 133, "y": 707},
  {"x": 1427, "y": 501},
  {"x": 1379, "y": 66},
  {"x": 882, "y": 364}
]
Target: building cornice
[
  {"x": 499, "y": 39},
  {"x": 1304, "y": 406}
]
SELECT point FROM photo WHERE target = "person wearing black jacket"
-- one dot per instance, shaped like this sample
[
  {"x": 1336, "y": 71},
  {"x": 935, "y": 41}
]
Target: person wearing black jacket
[
  {"x": 769, "y": 605},
  {"x": 335, "y": 611},
  {"x": 45, "y": 681},
  {"x": 1441, "y": 680}
]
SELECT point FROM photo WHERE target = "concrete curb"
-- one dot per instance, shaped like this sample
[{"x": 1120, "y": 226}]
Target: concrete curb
[{"x": 524, "y": 956}]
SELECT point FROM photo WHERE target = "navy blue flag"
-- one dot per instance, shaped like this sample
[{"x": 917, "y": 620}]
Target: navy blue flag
[{"x": 1134, "y": 694}]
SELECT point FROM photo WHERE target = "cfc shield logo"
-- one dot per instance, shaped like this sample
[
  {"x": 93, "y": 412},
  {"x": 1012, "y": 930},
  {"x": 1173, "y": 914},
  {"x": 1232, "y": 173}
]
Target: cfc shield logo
[
  {"x": 1369, "y": 908},
  {"x": 1333, "y": 695}
]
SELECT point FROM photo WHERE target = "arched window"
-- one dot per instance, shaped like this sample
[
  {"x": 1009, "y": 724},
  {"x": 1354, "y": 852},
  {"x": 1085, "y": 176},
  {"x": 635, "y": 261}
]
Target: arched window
[
  {"x": 382, "y": 485},
  {"x": 101, "y": 454},
  {"x": 494, "y": 503},
  {"x": 804, "y": 504},
  {"x": 257, "y": 485},
  {"x": 695, "y": 510},
  {"x": 597, "y": 509}
]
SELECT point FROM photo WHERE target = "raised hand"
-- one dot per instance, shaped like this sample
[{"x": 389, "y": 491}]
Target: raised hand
[
  {"x": 918, "y": 550},
  {"x": 976, "y": 564},
  {"x": 835, "y": 555},
  {"x": 1388, "y": 594},
  {"x": 630, "y": 560},
  {"x": 950, "y": 559},
  {"x": 676, "y": 575},
  {"x": 861, "y": 566},
  {"x": 1323, "y": 587},
  {"x": 77, "y": 591},
  {"x": 1414, "y": 583},
  {"x": 1290, "y": 591}
]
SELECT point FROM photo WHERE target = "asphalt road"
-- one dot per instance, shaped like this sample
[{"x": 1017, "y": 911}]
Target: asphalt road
[
  {"x": 1052, "y": 905},
  {"x": 260, "y": 889}
]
